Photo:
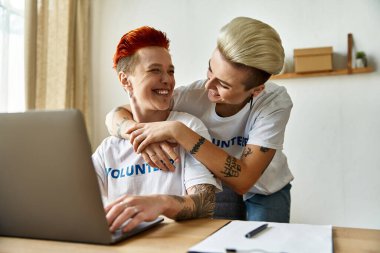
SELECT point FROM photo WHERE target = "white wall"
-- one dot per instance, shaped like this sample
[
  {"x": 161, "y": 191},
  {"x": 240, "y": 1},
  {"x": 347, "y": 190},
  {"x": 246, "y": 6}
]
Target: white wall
[{"x": 332, "y": 139}]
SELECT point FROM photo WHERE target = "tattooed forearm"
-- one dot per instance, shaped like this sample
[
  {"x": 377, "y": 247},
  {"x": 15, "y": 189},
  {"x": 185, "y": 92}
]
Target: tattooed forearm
[
  {"x": 197, "y": 146},
  {"x": 247, "y": 152},
  {"x": 204, "y": 199},
  {"x": 186, "y": 212},
  {"x": 203, "y": 202},
  {"x": 264, "y": 149},
  {"x": 178, "y": 198},
  {"x": 120, "y": 126},
  {"x": 231, "y": 167}
]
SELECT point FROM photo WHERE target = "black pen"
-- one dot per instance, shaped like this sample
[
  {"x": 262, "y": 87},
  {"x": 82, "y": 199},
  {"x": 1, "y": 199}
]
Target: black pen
[{"x": 256, "y": 231}]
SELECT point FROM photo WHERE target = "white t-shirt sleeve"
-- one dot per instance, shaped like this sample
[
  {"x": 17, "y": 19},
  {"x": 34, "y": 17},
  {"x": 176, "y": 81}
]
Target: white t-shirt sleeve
[
  {"x": 268, "y": 122},
  {"x": 100, "y": 168},
  {"x": 194, "y": 171},
  {"x": 269, "y": 129}
]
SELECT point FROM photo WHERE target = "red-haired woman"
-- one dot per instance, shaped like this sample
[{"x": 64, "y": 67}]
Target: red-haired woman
[{"x": 131, "y": 188}]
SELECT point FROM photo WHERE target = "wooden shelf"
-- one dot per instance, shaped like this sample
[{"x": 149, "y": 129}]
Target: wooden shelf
[{"x": 330, "y": 73}]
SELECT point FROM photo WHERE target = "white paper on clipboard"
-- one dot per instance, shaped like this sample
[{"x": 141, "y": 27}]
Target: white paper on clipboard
[{"x": 278, "y": 237}]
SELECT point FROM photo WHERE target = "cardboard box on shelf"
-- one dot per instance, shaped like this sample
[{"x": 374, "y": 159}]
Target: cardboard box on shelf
[{"x": 313, "y": 59}]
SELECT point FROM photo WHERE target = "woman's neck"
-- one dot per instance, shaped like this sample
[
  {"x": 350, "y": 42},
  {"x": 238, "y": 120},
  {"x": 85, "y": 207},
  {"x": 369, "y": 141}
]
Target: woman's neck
[
  {"x": 228, "y": 110},
  {"x": 145, "y": 116}
]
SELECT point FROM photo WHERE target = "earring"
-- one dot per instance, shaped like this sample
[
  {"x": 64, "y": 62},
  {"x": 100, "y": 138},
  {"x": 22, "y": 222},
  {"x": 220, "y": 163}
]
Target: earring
[{"x": 250, "y": 102}]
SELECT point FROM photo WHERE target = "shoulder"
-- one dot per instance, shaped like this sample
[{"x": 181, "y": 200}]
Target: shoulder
[
  {"x": 272, "y": 98},
  {"x": 112, "y": 142},
  {"x": 191, "y": 98},
  {"x": 277, "y": 94},
  {"x": 189, "y": 120},
  {"x": 197, "y": 85},
  {"x": 195, "y": 88}
]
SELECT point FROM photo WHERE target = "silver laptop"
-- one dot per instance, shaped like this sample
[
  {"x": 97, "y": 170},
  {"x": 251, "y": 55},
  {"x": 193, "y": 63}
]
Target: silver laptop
[{"x": 48, "y": 186}]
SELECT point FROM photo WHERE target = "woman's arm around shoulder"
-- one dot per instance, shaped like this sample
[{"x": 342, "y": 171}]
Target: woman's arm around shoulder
[
  {"x": 118, "y": 120},
  {"x": 157, "y": 155},
  {"x": 240, "y": 174}
]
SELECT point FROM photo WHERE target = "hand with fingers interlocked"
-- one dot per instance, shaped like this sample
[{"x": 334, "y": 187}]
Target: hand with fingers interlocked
[
  {"x": 143, "y": 134},
  {"x": 161, "y": 155}
]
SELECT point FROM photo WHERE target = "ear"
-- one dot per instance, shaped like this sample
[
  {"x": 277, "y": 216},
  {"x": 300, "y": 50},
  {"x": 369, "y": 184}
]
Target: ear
[
  {"x": 257, "y": 90},
  {"x": 125, "y": 82}
]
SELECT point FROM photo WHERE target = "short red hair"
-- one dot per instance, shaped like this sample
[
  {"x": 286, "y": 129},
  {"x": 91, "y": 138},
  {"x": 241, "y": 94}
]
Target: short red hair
[{"x": 132, "y": 41}]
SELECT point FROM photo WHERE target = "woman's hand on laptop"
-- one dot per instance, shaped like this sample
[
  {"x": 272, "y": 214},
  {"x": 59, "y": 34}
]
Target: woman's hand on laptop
[
  {"x": 129, "y": 211},
  {"x": 133, "y": 210}
]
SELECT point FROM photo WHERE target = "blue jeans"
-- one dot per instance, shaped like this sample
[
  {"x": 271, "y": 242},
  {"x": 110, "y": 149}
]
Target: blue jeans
[
  {"x": 229, "y": 205},
  {"x": 271, "y": 208}
]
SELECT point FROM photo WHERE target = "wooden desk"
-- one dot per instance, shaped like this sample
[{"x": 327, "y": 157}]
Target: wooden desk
[{"x": 178, "y": 237}]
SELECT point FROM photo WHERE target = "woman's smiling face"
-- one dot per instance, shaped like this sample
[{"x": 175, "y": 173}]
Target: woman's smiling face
[
  {"x": 225, "y": 81},
  {"x": 152, "y": 82}
]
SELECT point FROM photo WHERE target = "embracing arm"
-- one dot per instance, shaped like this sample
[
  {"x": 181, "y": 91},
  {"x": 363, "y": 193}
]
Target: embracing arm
[
  {"x": 118, "y": 120},
  {"x": 157, "y": 155},
  {"x": 199, "y": 203},
  {"x": 239, "y": 174}
]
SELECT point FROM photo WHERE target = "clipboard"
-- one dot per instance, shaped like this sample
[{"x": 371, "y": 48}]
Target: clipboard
[{"x": 278, "y": 237}]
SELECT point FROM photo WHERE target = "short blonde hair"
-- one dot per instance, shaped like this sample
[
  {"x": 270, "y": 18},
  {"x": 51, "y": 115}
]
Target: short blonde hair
[{"x": 252, "y": 43}]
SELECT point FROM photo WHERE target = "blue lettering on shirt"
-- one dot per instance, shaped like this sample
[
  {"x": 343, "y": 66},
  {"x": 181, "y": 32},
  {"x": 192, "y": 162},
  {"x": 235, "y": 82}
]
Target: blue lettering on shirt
[
  {"x": 237, "y": 140},
  {"x": 115, "y": 173},
  {"x": 131, "y": 170},
  {"x": 140, "y": 169}
]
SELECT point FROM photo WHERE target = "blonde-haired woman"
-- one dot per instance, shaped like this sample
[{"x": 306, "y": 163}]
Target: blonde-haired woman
[{"x": 246, "y": 116}]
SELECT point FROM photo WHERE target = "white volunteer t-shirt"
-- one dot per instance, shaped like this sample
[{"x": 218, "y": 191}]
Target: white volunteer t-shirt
[
  {"x": 121, "y": 171},
  {"x": 263, "y": 125}
]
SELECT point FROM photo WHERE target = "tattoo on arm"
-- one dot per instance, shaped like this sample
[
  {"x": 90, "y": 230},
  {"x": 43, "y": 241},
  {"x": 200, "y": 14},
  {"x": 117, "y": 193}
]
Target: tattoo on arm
[
  {"x": 247, "y": 151},
  {"x": 264, "y": 149},
  {"x": 197, "y": 145},
  {"x": 178, "y": 198},
  {"x": 203, "y": 198},
  {"x": 119, "y": 127},
  {"x": 231, "y": 167}
]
